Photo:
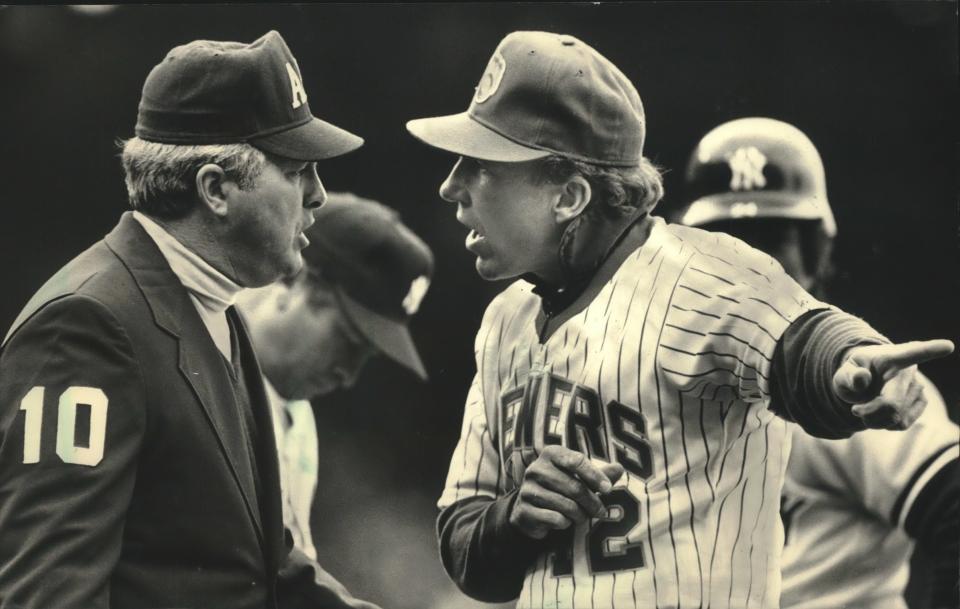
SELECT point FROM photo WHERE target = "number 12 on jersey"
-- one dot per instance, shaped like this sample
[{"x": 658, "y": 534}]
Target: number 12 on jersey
[{"x": 607, "y": 540}]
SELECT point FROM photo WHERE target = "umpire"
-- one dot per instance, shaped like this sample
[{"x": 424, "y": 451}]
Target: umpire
[{"x": 137, "y": 458}]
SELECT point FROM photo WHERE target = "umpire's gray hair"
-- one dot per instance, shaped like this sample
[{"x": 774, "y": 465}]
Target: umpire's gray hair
[
  {"x": 161, "y": 178},
  {"x": 640, "y": 187}
]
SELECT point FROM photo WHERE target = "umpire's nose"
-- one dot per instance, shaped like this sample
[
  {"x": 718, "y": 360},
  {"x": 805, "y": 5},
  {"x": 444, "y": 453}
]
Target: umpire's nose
[{"x": 314, "y": 194}]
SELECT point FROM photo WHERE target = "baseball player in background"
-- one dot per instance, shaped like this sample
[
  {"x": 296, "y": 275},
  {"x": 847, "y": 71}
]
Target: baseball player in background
[
  {"x": 620, "y": 445},
  {"x": 137, "y": 458},
  {"x": 365, "y": 275},
  {"x": 853, "y": 507}
]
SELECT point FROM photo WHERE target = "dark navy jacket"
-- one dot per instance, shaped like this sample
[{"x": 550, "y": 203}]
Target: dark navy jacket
[{"x": 126, "y": 480}]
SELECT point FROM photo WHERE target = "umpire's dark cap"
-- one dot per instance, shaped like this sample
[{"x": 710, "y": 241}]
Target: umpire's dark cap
[
  {"x": 379, "y": 268},
  {"x": 211, "y": 92},
  {"x": 543, "y": 94}
]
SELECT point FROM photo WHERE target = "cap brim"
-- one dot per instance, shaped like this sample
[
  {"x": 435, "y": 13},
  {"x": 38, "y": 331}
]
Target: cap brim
[
  {"x": 746, "y": 205},
  {"x": 461, "y": 134},
  {"x": 389, "y": 336},
  {"x": 312, "y": 141}
]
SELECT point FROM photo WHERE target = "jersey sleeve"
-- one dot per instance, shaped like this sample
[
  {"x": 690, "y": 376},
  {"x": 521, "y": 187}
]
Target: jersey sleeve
[
  {"x": 480, "y": 550},
  {"x": 475, "y": 466},
  {"x": 730, "y": 306},
  {"x": 882, "y": 471},
  {"x": 71, "y": 423}
]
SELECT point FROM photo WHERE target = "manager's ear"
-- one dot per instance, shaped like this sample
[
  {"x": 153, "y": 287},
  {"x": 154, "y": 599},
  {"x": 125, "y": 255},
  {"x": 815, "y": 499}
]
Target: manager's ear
[
  {"x": 572, "y": 199},
  {"x": 211, "y": 186}
]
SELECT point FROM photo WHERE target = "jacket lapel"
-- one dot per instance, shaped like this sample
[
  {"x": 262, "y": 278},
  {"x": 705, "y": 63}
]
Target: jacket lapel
[
  {"x": 200, "y": 362},
  {"x": 269, "y": 467}
]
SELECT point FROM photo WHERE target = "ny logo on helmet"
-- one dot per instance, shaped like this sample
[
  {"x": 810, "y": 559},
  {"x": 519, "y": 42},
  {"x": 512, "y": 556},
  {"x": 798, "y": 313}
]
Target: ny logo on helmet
[{"x": 746, "y": 169}]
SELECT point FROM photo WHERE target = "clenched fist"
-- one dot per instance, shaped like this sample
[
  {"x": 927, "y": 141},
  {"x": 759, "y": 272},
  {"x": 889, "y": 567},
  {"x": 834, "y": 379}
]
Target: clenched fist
[{"x": 559, "y": 489}]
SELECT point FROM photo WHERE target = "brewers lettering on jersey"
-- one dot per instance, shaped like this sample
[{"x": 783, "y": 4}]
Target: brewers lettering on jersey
[{"x": 665, "y": 372}]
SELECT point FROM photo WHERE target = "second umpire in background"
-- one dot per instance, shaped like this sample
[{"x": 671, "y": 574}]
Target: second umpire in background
[{"x": 364, "y": 277}]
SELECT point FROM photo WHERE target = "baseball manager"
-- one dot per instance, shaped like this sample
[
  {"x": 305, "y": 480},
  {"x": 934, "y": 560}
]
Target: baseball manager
[{"x": 618, "y": 446}]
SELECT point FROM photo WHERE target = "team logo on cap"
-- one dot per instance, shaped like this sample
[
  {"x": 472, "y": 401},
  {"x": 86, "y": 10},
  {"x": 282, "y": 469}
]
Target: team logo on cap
[
  {"x": 418, "y": 288},
  {"x": 296, "y": 87},
  {"x": 490, "y": 81},
  {"x": 746, "y": 168}
]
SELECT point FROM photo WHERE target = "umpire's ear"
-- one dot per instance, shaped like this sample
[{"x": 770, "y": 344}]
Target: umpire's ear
[
  {"x": 575, "y": 194},
  {"x": 210, "y": 188}
]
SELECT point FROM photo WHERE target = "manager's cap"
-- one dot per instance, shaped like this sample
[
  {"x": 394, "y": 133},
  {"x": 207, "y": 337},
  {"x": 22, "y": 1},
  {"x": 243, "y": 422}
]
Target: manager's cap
[
  {"x": 379, "y": 268},
  {"x": 543, "y": 94},
  {"x": 212, "y": 92}
]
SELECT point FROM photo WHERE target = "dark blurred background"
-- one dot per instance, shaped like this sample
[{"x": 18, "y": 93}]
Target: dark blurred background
[{"x": 873, "y": 84}]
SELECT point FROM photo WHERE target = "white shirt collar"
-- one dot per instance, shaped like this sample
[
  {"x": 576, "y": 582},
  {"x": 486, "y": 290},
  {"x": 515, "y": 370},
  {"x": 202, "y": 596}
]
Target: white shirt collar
[{"x": 213, "y": 289}]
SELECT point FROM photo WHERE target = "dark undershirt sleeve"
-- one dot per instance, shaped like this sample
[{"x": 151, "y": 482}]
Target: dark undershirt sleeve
[
  {"x": 804, "y": 362},
  {"x": 933, "y": 522},
  {"x": 482, "y": 552}
]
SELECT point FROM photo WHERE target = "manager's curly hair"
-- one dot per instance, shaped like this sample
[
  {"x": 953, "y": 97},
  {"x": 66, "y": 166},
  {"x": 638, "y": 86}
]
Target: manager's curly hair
[{"x": 614, "y": 188}]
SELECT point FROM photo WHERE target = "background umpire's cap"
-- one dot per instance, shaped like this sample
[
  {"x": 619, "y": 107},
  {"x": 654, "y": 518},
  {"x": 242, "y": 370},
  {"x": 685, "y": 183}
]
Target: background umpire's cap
[
  {"x": 211, "y": 92},
  {"x": 379, "y": 268}
]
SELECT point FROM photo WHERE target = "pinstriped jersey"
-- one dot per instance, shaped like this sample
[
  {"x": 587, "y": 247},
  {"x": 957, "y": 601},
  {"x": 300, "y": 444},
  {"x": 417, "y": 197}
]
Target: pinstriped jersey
[
  {"x": 667, "y": 372},
  {"x": 845, "y": 507}
]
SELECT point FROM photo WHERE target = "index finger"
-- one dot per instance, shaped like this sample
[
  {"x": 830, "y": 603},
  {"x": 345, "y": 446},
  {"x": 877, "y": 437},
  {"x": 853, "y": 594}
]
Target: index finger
[
  {"x": 918, "y": 351},
  {"x": 577, "y": 464}
]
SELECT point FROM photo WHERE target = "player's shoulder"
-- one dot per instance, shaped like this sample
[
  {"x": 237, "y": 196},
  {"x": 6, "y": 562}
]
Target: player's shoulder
[
  {"x": 719, "y": 265},
  {"x": 516, "y": 304},
  {"x": 518, "y": 296},
  {"x": 721, "y": 252}
]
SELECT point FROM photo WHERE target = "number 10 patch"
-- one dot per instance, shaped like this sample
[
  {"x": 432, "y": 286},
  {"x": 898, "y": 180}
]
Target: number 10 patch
[{"x": 69, "y": 450}]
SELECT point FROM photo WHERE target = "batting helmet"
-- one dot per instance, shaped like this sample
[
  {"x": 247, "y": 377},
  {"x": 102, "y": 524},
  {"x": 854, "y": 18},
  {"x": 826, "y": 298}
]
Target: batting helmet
[{"x": 756, "y": 168}]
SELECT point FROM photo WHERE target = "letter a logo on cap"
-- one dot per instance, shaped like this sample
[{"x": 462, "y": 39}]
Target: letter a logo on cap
[
  {"x": 296, "y": 87},
  {"x": 490, "y": 81}
]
